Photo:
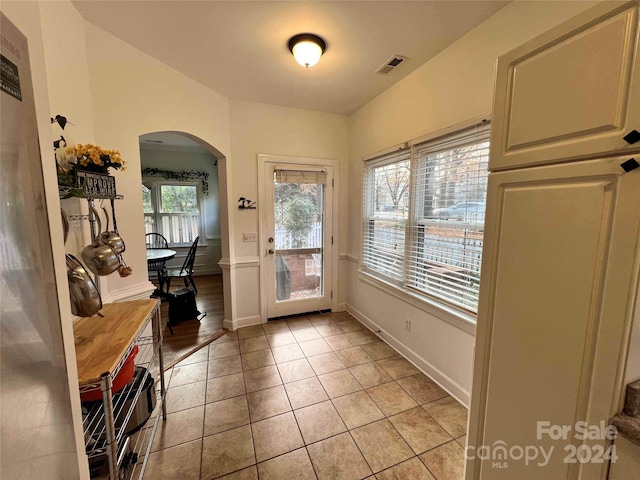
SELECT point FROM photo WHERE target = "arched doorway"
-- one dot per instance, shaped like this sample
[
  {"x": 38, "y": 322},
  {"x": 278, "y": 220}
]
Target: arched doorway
[{"x": 184, "y": 197}]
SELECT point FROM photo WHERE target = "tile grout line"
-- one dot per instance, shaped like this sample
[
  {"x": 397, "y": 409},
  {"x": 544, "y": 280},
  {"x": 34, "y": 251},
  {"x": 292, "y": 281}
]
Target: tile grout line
[
  {"x": 316, "y": 376},
  {"x": 204, "y": 415},
  {"x": 246, "y": 395},
  {"x": 304, "y": 443}
]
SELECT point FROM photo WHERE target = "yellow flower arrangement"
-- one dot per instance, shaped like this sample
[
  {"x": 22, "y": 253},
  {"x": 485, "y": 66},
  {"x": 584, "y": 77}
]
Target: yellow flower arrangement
[{"x": 94, "y": 158}]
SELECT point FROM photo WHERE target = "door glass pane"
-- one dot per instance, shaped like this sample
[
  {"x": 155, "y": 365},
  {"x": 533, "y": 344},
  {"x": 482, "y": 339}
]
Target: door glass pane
[{"x": 299, "y": 235}]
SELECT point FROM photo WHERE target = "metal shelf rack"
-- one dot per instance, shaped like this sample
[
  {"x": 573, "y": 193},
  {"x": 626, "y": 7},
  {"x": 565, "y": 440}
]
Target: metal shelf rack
[{"x": 113, "y": 453}]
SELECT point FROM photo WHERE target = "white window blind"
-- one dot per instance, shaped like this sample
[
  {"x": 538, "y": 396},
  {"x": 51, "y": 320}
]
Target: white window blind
[
  {"x": 449, "y": 189},
  {"x": 301, "y": 176},
  {"x": 385, "y": 204}
]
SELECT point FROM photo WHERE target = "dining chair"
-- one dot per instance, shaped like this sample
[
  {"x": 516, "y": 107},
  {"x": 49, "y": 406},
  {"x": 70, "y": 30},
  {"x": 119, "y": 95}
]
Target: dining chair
[
  {"x": 155, "y": 240},
  {"x": 186, "y": 272}
]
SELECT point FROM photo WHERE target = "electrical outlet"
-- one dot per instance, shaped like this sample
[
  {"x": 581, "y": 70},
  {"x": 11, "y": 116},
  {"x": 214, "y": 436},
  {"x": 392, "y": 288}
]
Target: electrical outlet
[
  {"x": 407, "y": 324},
  {"x": 250, "y": 237}
]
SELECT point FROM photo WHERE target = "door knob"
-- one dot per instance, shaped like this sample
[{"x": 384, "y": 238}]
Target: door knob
[
  {"x": 270, "y": 240},
  {"x": 271, "y": 251},
  {"x": 632, "y": 137}
]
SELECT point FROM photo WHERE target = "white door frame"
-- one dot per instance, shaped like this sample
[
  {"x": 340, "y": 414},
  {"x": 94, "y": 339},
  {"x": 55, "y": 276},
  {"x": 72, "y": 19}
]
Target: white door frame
[{"x": 263, "y": 161}]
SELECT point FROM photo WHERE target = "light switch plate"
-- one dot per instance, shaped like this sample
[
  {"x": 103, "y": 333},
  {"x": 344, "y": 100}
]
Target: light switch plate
[{"x": 250, "y": 237}]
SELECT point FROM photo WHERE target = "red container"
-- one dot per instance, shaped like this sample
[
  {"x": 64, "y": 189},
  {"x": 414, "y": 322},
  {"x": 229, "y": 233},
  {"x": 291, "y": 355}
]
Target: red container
[{"x": 124, "y": 376}]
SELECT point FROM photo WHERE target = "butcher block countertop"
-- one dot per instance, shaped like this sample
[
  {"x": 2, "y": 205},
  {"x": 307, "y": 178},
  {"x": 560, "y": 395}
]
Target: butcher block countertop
[{"x": 101, "y": 342}]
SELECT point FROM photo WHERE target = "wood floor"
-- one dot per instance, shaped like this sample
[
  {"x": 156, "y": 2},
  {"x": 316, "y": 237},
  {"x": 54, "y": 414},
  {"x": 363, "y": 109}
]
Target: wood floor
[{"x": 190, "y": 335}]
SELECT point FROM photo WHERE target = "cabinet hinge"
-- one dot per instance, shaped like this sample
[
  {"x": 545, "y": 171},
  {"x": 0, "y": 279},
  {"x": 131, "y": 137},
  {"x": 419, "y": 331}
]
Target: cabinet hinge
[
  {"x": 630, "y": 164},
  {"x": 331, "y": 294},
  {"x": 331, "y": 239},
  {"x": 333, "y": 183}
]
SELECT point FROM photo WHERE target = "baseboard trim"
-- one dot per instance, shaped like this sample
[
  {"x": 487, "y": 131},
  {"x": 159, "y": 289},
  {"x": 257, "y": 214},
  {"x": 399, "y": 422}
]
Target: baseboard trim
[
  {"x": 139, "y": 291},
  {"x": 449, "y": 385},
  {"x": 241, "y": 322},
  {"x": 342, "y": 306}
]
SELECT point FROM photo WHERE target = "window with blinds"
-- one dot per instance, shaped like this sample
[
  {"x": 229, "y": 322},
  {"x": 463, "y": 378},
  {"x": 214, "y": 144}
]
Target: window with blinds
[
  {"x": 423, "y": 216},
  {"x": 449, "y": 191},
  {"x": 385, "y": 215}
]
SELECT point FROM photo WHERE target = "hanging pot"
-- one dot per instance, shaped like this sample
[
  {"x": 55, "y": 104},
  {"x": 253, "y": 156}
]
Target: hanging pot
[
  {"x": 115, "y": 222},
  {"x": 84, "y": 296},
  {"x": 113, "y": 239},
  {"x": 100, "y": 258}
]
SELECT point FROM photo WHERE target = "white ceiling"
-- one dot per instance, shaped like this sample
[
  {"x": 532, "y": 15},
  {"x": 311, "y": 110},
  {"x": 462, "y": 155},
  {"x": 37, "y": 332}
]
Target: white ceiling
[{"x": 239, "y": 48}]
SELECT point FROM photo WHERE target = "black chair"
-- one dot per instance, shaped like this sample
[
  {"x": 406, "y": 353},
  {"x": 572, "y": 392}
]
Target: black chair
[
  {"x": 186, "y": 272},
  {"x": 155, "y": 240}
]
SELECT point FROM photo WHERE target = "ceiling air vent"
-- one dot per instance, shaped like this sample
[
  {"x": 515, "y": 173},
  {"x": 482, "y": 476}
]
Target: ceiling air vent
[{"x": 390, "y": 64}]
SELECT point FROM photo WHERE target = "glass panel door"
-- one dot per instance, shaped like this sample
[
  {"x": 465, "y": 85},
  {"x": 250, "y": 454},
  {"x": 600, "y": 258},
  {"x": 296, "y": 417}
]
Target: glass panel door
[{"x": 299, "y": 232}]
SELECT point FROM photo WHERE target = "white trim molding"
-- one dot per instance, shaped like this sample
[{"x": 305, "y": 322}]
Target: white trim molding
[
  {"x": 239, "y": 262},
  {"x": 447, "y": 383},
  {"x": 241, "y": 322},
  {"x": 347, "y": 257},
  {"x": 139, "y": 291}
]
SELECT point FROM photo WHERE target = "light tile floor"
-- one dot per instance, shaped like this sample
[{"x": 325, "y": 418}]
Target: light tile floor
[{"x": 319, "y": 397}]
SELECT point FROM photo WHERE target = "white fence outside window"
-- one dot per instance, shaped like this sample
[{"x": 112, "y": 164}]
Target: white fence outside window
[
  {"x": 177, "y": 228},
  {"x": 284, "y": 238}
]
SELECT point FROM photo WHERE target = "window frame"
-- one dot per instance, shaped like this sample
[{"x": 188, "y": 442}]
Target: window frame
[
  {"x": 397, "y": 156},
  {"x": 155, "y": 187},
  {"x": 450, "y": 312}
]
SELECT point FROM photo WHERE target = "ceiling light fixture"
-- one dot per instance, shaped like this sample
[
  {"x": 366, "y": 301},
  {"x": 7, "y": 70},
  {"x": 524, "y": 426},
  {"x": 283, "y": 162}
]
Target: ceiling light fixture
[{"x": 307, "y": 48}]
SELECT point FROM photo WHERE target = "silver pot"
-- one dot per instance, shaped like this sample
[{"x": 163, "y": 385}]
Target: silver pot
[
  {"x": 100, "y": 258},
  {"x": 85, "y": 297},
  {"x": 113, "y": 239}
]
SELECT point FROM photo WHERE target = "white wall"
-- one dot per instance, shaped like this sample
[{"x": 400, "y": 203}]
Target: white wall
[
  {"x": 453, "y": 87},
  {"x": 134, "y": 94},
  {"x": 210, "y": 251},
  {"x": 258, "y": 128}
]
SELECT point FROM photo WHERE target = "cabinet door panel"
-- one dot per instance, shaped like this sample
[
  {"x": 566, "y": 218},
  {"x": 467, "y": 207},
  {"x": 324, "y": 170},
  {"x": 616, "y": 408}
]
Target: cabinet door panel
[
  {"x": 572, "y": 93},
  {"x": 558, "y": 282}
]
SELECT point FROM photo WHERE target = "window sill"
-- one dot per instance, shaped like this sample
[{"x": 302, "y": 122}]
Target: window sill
[{"x": 445, "y": 313}]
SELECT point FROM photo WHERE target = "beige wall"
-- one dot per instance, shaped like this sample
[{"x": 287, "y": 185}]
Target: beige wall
[
  {"x": 134, "y": 94},
  {"x": 266, "y": 129},
  {"x": 453, "y": 87},
  {"x": 258, "y": 128}
]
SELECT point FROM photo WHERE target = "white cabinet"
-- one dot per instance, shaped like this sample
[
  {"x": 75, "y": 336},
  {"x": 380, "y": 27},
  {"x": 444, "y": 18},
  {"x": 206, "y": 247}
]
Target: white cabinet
[
  {"x": 561, "y": 251},
  {"x": 572, "y": 93},
  {"x": 558, "y": 274}
]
